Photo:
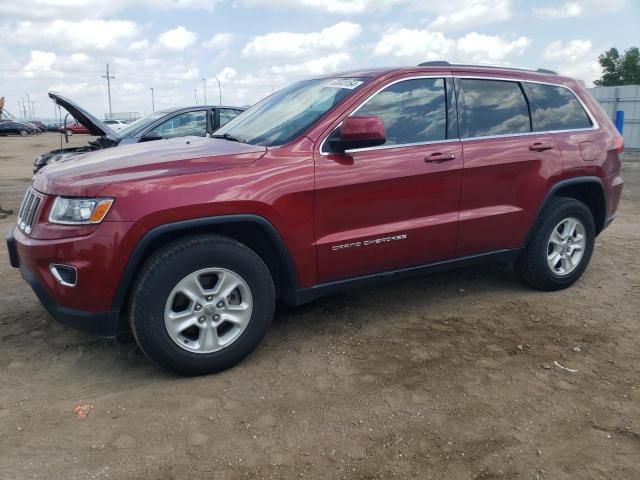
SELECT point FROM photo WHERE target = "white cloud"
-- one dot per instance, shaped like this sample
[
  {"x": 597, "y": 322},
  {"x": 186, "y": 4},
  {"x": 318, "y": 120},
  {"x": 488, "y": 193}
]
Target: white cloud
[
  {"x": 461, "y": 14},
  {"x": 178, "y": 38},
  {"x": 287, "y": 44},
  {"x": 227, "y": 74},
  {"x": 219, "y": 41},
  {"x": 91, "y": 9},
  {"x": 329, "y": 63},
  {"x": 40, "y": 62},
  {"x": 480, "y": 48},
  {"x": 329, "y": 6},
  {"x": 576, "y": 58},
  {"x": 579, "y": 8},
  {"x": 424, "y": 45},
  {"x": 415, "y": 43},
  {"x": 72, "y": 35}
]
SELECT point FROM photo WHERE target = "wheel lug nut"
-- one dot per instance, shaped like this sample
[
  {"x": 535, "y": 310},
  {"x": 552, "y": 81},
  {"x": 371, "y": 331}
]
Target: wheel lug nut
[
  {"x": 201, "y": 319},
  {"x": 220, "y": 304},
  {"x": 198, "y": 307},
  {"x": 209, "y": 298},
  {"x": 216, "y": 317}
]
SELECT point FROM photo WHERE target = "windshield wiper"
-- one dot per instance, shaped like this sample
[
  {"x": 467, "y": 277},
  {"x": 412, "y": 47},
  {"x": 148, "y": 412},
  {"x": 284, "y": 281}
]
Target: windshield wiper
[{"x": 231, "y": 138}]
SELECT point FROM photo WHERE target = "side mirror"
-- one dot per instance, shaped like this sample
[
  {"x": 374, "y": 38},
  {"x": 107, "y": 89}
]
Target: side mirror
[
  {"x": 150, "y": 136},
  {"x": 359, "y": 131}
]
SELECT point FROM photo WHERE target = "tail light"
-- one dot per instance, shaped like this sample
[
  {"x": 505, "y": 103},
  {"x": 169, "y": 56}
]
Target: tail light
[{"x": 619, "y": 144}]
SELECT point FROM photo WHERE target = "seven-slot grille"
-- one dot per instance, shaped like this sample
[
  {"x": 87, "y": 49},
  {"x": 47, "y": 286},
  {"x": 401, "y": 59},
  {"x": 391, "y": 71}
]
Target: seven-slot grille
[{"x": 29, "y": 210}]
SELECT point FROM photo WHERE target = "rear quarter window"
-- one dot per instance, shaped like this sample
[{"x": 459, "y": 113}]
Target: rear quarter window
[{"x": 555, "y": 108}]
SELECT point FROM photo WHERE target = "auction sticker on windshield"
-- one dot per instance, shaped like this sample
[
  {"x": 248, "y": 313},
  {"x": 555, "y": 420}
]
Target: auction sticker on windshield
[{"x": 347, "y": 83}]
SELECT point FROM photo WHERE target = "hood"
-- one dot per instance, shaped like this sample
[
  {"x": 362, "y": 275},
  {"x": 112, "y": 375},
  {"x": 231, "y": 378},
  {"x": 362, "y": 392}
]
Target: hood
[
  {"x": 84, "y": 118},
  {"x": 88, "y": 174}
]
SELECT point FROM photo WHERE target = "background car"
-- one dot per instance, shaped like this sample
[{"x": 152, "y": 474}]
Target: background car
[
  {"x": 74, "y": 127},
  {"x": 115, "y": 125},
  {"x": 179, "y": 122},
  {"x": 12, "y": 127}
]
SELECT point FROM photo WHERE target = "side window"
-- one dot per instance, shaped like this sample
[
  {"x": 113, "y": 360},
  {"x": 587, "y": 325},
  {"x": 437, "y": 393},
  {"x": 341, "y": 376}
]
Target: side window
[
  {"x": 227, "y": 114},
  {"x": 413, "y": 111},
  {"x": 491, "y": 107},
  {"x": 555, "y": 108},
  {"x": 189, "y": 123}
]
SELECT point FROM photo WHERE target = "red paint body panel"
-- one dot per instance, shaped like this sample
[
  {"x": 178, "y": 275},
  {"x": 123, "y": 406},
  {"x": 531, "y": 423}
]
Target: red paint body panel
[
  {"x": 407, "y": 211},
  {"x": 381, "y": 193},
  {"x": 503, "y": 185}
]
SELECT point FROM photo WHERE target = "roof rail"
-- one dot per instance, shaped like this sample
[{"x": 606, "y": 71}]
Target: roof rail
[
  {"x": 444, "y": 63},
  {"x": 435, "y": 63}
]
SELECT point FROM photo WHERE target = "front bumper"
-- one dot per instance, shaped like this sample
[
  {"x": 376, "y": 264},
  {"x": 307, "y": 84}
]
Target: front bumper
[{"x": 65, "y": 304}]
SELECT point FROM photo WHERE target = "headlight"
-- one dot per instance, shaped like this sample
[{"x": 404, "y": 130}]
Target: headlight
[{"x": 79, "y": 211}]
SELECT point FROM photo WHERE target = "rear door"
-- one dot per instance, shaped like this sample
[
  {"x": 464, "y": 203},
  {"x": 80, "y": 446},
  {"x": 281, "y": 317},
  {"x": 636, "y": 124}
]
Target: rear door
[
  {"x": 507, "y": 166},
  {"x": 395, "y": 205}
]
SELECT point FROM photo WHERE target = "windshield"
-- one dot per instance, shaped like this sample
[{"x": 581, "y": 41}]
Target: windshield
[
  {"x": 286, "y": 114},
  {"x": 136, "y": 127}
]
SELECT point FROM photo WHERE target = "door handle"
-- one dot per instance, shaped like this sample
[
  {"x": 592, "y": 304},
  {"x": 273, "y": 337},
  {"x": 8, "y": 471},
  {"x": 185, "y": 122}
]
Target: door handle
[
  {"x": 440, "y": 157},
  {"x": 540, "y": 147}
]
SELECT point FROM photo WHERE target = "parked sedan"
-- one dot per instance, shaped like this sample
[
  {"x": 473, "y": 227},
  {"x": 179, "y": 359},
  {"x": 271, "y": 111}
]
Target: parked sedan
[
  {"x": 12, "y": 127},
  {"x": 75, "y": 127},
  {"x": 180, "y": 122}
]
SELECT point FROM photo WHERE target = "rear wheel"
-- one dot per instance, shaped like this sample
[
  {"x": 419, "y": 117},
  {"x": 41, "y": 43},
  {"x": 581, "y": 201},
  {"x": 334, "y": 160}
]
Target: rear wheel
[
  {"x": 24, "y": 133},
  {"x": 202, "y": 304},
  {"x": 560, "y": 246}
]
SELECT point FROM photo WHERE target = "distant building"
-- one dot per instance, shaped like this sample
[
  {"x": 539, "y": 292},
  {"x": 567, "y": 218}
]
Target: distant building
[{"x": 624, "y": 99}]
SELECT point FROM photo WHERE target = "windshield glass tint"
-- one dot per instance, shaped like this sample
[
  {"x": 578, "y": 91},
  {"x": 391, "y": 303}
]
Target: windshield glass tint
[
  {"x": 286, "y": 114},
  {"x": 138, "y": 126}
]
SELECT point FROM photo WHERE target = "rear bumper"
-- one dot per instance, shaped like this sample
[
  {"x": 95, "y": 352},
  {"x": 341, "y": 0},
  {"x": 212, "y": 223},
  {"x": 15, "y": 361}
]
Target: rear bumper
[{"x": 103, "y": 324}]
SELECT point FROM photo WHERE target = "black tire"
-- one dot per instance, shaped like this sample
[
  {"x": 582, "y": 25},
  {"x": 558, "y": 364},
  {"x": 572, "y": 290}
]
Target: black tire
[
  {"x": 532, "y": 264},
  {"x": 161, "y": 274}
]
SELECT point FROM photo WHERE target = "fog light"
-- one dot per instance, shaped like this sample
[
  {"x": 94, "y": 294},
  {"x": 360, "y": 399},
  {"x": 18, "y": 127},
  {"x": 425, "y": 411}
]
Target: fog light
[{"x": 66, "y": 275}]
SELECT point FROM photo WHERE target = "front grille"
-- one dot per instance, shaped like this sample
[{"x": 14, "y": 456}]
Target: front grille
[{"x": 28, "y": 213}]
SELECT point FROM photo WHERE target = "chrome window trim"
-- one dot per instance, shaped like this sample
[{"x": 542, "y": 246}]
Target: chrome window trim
[
  {"x": 386, "y": 147},
  {"x": 594, "y": 123},
  {"x": 594, "y": 126}
]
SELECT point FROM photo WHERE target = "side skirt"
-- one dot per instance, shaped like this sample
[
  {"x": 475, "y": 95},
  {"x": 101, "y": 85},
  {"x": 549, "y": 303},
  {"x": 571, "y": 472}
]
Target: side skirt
[{"x": 309, "y": 294}]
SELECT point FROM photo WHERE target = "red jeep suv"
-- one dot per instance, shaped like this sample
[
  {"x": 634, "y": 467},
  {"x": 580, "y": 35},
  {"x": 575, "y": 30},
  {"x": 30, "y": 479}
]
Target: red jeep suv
[{"x": 339, "y": 181}]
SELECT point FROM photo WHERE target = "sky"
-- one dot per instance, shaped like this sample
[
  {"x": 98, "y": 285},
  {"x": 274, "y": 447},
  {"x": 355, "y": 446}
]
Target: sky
[{"x": 257, "y": 46}]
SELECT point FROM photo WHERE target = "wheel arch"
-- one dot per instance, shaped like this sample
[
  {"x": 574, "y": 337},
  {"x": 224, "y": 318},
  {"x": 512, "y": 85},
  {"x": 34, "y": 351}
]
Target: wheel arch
[
  {"x": 254, "y": 231},
  {"x": 588, "y": 189}
]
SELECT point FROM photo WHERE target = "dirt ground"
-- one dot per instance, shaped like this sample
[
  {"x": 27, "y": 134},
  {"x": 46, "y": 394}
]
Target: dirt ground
[{"x": 452, "y": 376}]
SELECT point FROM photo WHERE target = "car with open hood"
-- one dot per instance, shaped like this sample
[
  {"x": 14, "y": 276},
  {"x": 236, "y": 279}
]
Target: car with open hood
[{"x": 164, "y": 124}]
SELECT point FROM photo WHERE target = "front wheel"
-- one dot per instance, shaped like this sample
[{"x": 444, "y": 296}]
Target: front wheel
[
  {"x": 560, "y": 246},
  {"x": 23, "y": 133},
  {"x": 201, "y": 305}
]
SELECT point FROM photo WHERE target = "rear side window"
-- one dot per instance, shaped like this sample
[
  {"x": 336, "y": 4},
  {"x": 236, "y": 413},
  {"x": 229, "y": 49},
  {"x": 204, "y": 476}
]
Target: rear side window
[
  {"x": 413, "y": 111},
  {"x": 555, "y": 108},
  {"x": 491, "y": 107}
]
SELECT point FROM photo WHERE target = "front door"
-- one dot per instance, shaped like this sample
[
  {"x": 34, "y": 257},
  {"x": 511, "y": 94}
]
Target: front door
[{"x": 396, "y": 205}]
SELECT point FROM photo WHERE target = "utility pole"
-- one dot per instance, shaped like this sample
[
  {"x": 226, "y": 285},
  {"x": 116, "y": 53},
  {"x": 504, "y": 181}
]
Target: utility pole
[
  {"x": 153, "y": 102},
  {"x": 204, "y": 90},
  {"x": 219, "y": 89},
  {"x": 109, "y": 78}
]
